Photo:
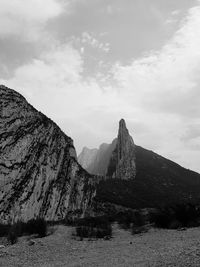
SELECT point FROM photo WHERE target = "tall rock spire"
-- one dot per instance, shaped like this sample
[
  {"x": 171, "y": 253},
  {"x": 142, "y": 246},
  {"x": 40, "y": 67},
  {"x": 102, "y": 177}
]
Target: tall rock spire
[{"x": 122, "y": 163}]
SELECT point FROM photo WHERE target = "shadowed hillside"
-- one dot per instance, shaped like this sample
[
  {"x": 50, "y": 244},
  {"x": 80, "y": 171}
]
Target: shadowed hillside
[{"x": 158, "y": 182}]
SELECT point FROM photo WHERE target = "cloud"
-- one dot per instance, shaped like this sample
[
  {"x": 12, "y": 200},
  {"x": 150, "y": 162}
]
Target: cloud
[
  {"x": 93, "y": 42},
  {"x": 158, "y": 94},
  {"x": 111, "y": 9},
  {"x": 163, "y": 87},
  {"x": 167, "y": 81},
  {"x": 53, "y": 83},
  {"x": 192, "y": 133},
  {"x": 26, "y": 18},
  {"x": 175, "y": 12},
  {"x": 51, "y": 71}
]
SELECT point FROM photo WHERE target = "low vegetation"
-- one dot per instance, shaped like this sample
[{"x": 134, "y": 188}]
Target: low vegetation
[
  {"x": 94, "y": 227},
  {"x": 179, "y": 216},
  {"x": 132, "y": 220},
  {"x": 33, "y": 226},
  {"x": 136, "y": 221},
  {"x": 101, "y": 226},
  {"x": 4, "y": 229}
]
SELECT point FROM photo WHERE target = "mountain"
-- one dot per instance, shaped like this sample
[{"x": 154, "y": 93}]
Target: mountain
[
  {"x": 158, "y": 181},
  {"x": 122, "y": 162},
  {"x": 41, "y": 177},
  {"x": 86, "y": 157},
  {"x": 115, "y": 160},
  {"x": 39, "y": 172},
  {"x": 97, "y": 162}
]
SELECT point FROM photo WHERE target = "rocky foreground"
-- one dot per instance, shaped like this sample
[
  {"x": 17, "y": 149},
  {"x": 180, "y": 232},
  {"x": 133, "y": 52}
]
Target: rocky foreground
[{"x": 154, "y": 248}]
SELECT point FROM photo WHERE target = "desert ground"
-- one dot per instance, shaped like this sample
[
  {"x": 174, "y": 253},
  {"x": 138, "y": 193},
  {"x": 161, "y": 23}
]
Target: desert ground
[{"x": 154, "y": 248}]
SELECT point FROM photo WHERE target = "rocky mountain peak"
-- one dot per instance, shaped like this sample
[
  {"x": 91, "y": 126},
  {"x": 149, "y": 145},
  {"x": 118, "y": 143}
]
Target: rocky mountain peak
[
  {"x": 39, "y": 173},
  {"x": 124, "y": 139},
  {"x": 122, "y": 163},
  {"x": 115, "y": 160},
  {"x": 122, "y": 124}
]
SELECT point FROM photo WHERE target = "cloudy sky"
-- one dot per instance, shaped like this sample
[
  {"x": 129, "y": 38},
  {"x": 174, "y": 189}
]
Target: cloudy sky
[{"x": 88, "y": 63}]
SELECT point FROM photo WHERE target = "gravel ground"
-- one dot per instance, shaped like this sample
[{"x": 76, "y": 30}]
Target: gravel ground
[{"x": 154, "y": 248}]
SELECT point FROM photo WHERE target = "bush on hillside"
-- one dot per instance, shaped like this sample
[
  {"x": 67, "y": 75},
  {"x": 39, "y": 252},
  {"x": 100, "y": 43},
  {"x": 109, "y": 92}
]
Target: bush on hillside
[
  {"x": 133, "y": 220},
  {"x": 188, "y": 215},
  {"x": 162, "y": 218},
  {"x": 125, "y": 219},
  {"x": 184, "y": 215},
  {"x": 36, "y": 226},
  {"x": 139, "y": 223},
  {"x": 93, "y": 232},
  {"x": 33, "y": 226},
  {"x": 12, "y": 236},
  {"x": 93, "y": 227},
  {"x": 4, "y": 229}
]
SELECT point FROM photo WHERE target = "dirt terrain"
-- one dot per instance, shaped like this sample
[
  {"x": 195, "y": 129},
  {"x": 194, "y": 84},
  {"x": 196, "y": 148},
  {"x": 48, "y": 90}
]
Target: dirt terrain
[{"x": 154, "y": 248}]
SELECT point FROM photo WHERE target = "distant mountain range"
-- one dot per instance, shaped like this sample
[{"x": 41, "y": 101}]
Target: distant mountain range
[{"x": 151, "y": 180}]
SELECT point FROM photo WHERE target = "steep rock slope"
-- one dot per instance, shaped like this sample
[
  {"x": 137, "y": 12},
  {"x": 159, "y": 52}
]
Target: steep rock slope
[
  {"x": 122, "y": 162},
  {"x": 115, "y": 160},
  {"x": 39, "y": 173}
]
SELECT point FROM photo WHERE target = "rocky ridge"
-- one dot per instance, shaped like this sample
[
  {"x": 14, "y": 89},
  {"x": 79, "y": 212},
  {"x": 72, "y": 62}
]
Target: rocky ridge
[
  {"x": 39, "y": 172},
  {"x": 122, "y": 162}
]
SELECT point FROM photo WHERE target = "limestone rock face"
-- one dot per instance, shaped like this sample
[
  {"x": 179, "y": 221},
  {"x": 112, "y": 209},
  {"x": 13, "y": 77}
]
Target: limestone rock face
[
  {"x": 115, "y": 160},
  {"x": 39, "y": 172},
  {"x": 122, "y": 162}
]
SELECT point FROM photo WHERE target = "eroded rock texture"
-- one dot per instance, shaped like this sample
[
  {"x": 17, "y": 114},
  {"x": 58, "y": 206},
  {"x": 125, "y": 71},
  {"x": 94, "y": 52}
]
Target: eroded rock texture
[
  {"x": 115, "y": 160},
  {"x": 39, "y": 173},
  {"x": 122, "y": 162}
]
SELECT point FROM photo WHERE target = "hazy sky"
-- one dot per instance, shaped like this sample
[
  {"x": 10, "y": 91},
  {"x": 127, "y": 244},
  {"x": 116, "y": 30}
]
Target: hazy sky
[{"x": 88, "y": 63}]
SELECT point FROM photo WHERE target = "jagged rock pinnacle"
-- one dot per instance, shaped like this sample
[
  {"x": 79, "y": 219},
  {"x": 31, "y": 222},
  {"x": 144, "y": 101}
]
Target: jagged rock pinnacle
[
  {"x": 115, "y": 160},
  {"x": 122, "y": 163},
  {"x": 122, "y": 123}
]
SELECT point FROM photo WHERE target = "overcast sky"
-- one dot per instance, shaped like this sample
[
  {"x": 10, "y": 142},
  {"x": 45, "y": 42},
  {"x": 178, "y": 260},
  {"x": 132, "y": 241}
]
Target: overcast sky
[{"x": 89, "y": 63}]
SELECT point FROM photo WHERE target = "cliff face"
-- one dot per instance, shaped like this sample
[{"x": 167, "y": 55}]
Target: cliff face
[
  {"x": 115, "y": 160},
  {"x": 39, "y": 173},
  {"x": 122, "y": 162}
]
